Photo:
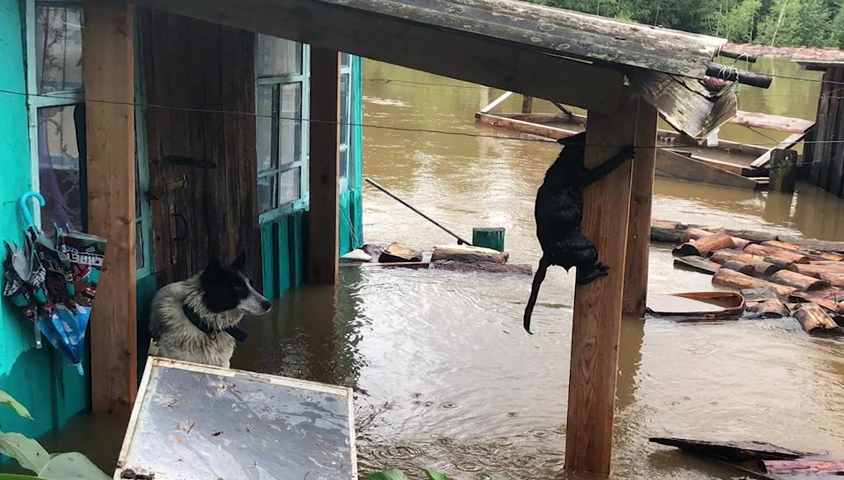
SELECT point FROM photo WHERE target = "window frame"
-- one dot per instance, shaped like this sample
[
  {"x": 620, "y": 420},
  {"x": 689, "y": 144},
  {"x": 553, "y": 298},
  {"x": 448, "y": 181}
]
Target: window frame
[
  {"x": 346, "y": 123},
  {"x": 144, "y": 220},
  {"x": 304, "y": 79}
]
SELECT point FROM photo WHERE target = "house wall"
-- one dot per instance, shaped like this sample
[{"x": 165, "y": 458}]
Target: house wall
[{"x": 38, "y": 378}]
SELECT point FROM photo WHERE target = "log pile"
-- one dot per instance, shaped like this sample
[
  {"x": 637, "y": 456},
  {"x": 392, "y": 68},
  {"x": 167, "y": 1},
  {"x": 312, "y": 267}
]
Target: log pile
[{"x": 778, "y": 276}]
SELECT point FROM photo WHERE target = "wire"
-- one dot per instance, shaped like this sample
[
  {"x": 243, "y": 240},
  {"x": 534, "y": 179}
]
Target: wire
[{"x": 364, "y": 125}]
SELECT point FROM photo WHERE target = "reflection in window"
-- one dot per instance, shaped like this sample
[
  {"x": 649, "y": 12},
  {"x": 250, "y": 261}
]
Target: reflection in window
[
  {"x": 59, "y": 169},
  {"x": 278, "y": 57},
  {"x": 291, "y": 123},
  {"x": 291, "y": 186},
  {"x": 58, "y": 47}
]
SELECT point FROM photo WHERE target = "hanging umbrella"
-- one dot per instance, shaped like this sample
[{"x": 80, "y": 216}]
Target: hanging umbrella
[{"x": 16, "y": 288}]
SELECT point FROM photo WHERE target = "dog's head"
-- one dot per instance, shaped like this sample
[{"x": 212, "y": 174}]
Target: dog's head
[{"x": 227, "y": 288}]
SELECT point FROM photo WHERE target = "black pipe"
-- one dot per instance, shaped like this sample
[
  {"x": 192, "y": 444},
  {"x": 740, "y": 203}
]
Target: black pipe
[{"x": 733, "y": 74}]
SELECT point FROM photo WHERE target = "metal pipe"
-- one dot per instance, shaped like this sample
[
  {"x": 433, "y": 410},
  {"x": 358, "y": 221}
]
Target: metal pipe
[{"x": 460, "y": 241}]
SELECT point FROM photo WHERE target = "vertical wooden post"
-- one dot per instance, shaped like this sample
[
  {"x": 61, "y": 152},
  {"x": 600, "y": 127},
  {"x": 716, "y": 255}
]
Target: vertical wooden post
[
  {"x": 323, "y": 251},
  {"x": 641, "y": 200},
  {"x": 110, "y": 125},
  {"x": 783, "y": 171},
  {"x": 597, "y": 307},
  {"x": 527, "y": 104}
]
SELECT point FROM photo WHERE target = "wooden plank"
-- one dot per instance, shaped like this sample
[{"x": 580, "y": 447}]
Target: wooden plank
[
  {"x": 789, "y": 142},
  {"x": 734, "y": 452},
  {"x": 524, "y": 127},
  {"x": 496, "y": 102},
  {"x": 771, "y": 122},
  {"x": 639, "y": 223},
  {"x": 833, "y": 175},
  {"x": 109, "y": 77},
  {"x": 819, "y": 154},
  {"x": 324, "y": 175},
  {"x": 673, "y": 165},
  {"x": 463, "y": 56},
  {"x": 804, "y": 467},
  {"x": 597, "y": 306},
  {"x": 527, "y": 104}
]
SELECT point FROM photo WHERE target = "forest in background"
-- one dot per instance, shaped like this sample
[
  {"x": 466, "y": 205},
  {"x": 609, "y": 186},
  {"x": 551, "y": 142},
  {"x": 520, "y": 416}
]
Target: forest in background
[{"x": 782, "y": 23}]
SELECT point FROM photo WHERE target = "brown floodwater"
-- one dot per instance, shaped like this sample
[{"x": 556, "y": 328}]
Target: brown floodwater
[{"x": 446, "y": 378}]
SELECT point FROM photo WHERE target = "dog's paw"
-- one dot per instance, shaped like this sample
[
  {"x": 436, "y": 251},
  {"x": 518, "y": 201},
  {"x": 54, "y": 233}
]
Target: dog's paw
[{"x": 628, "y": 152}]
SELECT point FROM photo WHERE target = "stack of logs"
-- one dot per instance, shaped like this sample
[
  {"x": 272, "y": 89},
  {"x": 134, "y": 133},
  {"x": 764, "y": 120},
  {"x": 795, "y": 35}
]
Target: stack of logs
[{"x": 777, "y": 278}]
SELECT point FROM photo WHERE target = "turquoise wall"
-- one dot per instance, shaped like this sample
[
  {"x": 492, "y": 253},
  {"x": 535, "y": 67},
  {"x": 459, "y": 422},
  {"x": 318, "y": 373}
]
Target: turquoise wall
[{"x": 39, "y": 379}]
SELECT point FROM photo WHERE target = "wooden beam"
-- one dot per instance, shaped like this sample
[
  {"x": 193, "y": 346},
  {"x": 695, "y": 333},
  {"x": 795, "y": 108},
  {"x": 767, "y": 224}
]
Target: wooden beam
[
  {"x": 597, "y": 307},
  {"x": 527, "y": 104},
  {"x": 496, "y": 102},
  {"x": 110, "y": 126},
  {"x": 463, "y": 56},
  {"x": 324, "y": 178},
  {"x": 771, "y": 122},
  {"x": 789, "y": 142},
  {"x": 639, "y": 225}
]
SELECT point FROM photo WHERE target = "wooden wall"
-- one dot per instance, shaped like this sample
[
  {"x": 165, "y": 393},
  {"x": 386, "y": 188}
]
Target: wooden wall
[
  {"x": 825, "y": 149},
  {"x": 202, "y": 165}
]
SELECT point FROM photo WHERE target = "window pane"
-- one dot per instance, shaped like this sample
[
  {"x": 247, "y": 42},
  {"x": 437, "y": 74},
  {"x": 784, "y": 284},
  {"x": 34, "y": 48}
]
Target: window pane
[
  {"x": 291, "y": 123},
  {"x": 139, "y": 246},
  {"x": 278, "y": 57},
  {"x": 267, "y": 193},
  {"x": 267, "y": 126},
  {"x": 345, "y": 111},
  {"x": 58, "y": 163},
  {"x": 345, "y": 60},
  {"x": 58, "y": 47},
  {"x": 291, "y": 187},
  {"x": 344, "y": 162}
]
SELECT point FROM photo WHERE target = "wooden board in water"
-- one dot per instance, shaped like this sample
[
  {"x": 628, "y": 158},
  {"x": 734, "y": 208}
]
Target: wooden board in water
[
  {"x": 696, "y": 304},
  {"x": 681, "y": 167}
]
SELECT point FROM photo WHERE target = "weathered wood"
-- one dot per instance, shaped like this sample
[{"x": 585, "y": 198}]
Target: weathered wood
[
  {"x": 388, "y": 264},
  {"x": 664, "y": 235},
  {"x": 495, "y": 103},
  {"x": 672, "y": 165},
  {"x": 740, "y": 267},
  {"x": 819, "y": 245},
  {"x": 740, "y": 243},
  {"x": 783, "y": 171},
  {"x": 734, "y": 452},
  {"x": 527, "y": 104},
  {"x": 752, "y": 235},
  {"x": 817, "y": 271},
  {"x": 694, "y": 233},
  {"x": 833, "y": 167},
  {"x": 789, "y": 142},
  {"x": 812, "y": 256},
  {"x": 818, "y": 155},
  {"x": 764, "y": 269},
  {"x": 110, "y": 148},
  {"x": 804, "y": 467},
  {"x": 725, "y": 255},
  {"x": 777, "y": 253},
  {"x": 770, "y": 308},
  {"x": 703, "y": 246},
  {"x": 324, "y": 175},
  {"x": 466, "y": 253},
  {"x": 696, "y": 264},
  {"x": 771, "y": 122},
  {"x": 482, "y": 267},
  {"x": 831, "y": 299},
  {"x": 598, "y": 305},
  {"x": 799, "y": 281},
  {"x": 834, "y": 279},
  {"x": 641, "y": 202},
  {"x": 741, "y": 281},
  {"x": 815, "y": 320},
  {"x": 524, "y": 126},
  {"x": 754, "y": 295},
  {"x": 395, "y": 253}
]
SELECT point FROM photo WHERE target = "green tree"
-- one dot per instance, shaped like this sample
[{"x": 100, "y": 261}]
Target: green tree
[{"x": 738, "y": 24}]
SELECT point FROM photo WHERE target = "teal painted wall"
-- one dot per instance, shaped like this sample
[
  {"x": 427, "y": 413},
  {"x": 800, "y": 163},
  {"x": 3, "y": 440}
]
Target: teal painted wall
[{"x": 39, "y": 379}]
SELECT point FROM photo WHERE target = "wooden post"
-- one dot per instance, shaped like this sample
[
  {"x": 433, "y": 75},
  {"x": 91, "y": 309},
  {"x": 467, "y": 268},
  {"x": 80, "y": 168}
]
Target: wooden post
[
  {"x": 527, "y": 104},
  {"x": 641, "y": 199},
  {"x": 110, "y": 128},
  {"x": 597, "y": 307},
  {"x": 324, "y": 179},
  {"x": 783, "y": 172}
]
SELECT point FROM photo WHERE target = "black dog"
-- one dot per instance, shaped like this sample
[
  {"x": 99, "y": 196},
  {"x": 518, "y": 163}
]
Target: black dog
[{"x": 559, "y": 211}]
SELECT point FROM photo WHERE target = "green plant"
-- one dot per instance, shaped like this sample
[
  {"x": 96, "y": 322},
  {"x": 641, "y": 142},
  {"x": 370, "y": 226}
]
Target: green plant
[
  {"x": 33, "y": 457},
  {"x": 394, "y": 474}
]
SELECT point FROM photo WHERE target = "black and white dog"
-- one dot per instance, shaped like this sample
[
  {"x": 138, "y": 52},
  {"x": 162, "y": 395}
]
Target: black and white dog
[{"x": 195, "y": 320}]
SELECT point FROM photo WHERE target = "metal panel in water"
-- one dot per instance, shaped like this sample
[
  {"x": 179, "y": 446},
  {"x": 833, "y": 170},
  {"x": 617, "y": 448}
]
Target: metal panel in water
[{"x": 195, "y": 422}]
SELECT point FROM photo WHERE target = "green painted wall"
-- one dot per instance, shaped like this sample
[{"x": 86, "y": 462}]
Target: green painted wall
[{"x": 39, "y": 379}]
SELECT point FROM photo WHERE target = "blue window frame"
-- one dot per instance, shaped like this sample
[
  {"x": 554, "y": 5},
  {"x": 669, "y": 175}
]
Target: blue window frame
[{"x": 346, "y": 95}]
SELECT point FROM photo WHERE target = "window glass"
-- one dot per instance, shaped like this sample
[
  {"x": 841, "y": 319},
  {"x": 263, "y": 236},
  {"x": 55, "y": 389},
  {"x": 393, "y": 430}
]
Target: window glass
[
  {"x": 291, "y": 186},
  {"x": 268, "y": 193},
  {"x": 58, "y": 47},
  {"x": 345, "y": 128},
  {"x": 278, "y": 57},
  {"x": 59, "y": 172},
  {"x": 266, "y": 125},
  {"x": 291, "y": 123}
]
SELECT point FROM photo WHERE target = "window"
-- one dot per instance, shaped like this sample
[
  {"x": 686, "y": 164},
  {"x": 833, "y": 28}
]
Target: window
[
  {"x": 281, "y": 98},
  {"x": 57, "y": 116},
  {"x": 345, "y": 114}
]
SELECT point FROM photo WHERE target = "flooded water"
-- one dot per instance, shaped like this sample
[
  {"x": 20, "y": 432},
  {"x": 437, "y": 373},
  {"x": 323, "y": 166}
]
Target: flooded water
[{"x": 446, "y": 378}]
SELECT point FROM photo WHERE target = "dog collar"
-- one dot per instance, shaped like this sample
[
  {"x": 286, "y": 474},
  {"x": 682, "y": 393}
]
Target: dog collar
[{"x": 238, "y": 334}]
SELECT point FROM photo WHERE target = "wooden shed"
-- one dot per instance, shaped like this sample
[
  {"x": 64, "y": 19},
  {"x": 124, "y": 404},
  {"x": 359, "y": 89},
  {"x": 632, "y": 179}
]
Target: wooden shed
[{"x": 622, "y": 73}]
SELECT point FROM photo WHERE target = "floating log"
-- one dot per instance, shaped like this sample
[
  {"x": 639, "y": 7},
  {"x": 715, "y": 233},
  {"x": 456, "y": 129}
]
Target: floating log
[
  {"x": 777, "y": 253},
  {"x": 740, "y": 267},
  {"x": 830, "y": 299},
  {"x": 704, "y": 245},
  {"x": 752, "y": 235},
  {"x": 814, "y": 320},
  {"x": 487, "y": 267},
  {"x": 667, "y": 224},
  {"x": 803, "y": 467},
  {"x": 799, "y": 281},
  {"x": 705, "y": 305},
  {"x": 399, "y": 253},
  {"x": 465, "y": 253},
  {"x": 815, "y": 270},
  {"x": 812, "y": 256},
  {"x": 734, "y": 452},
  {"x": 740, "y": 243},
  {"x": 761, "y": 268},
  {"x": 771, "y": 308},
  {"x": 818, "y": 245},
  {"x": 725, "y": 255},
  {"x": 667, "y": 235},
  {"x": 752, "y": 295},
  {"x": 834, "y": 279},
  {"x": 694, "y": 233},
  {"x": 696, "y": 264},
  {"x": 739, "y": 281}
]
